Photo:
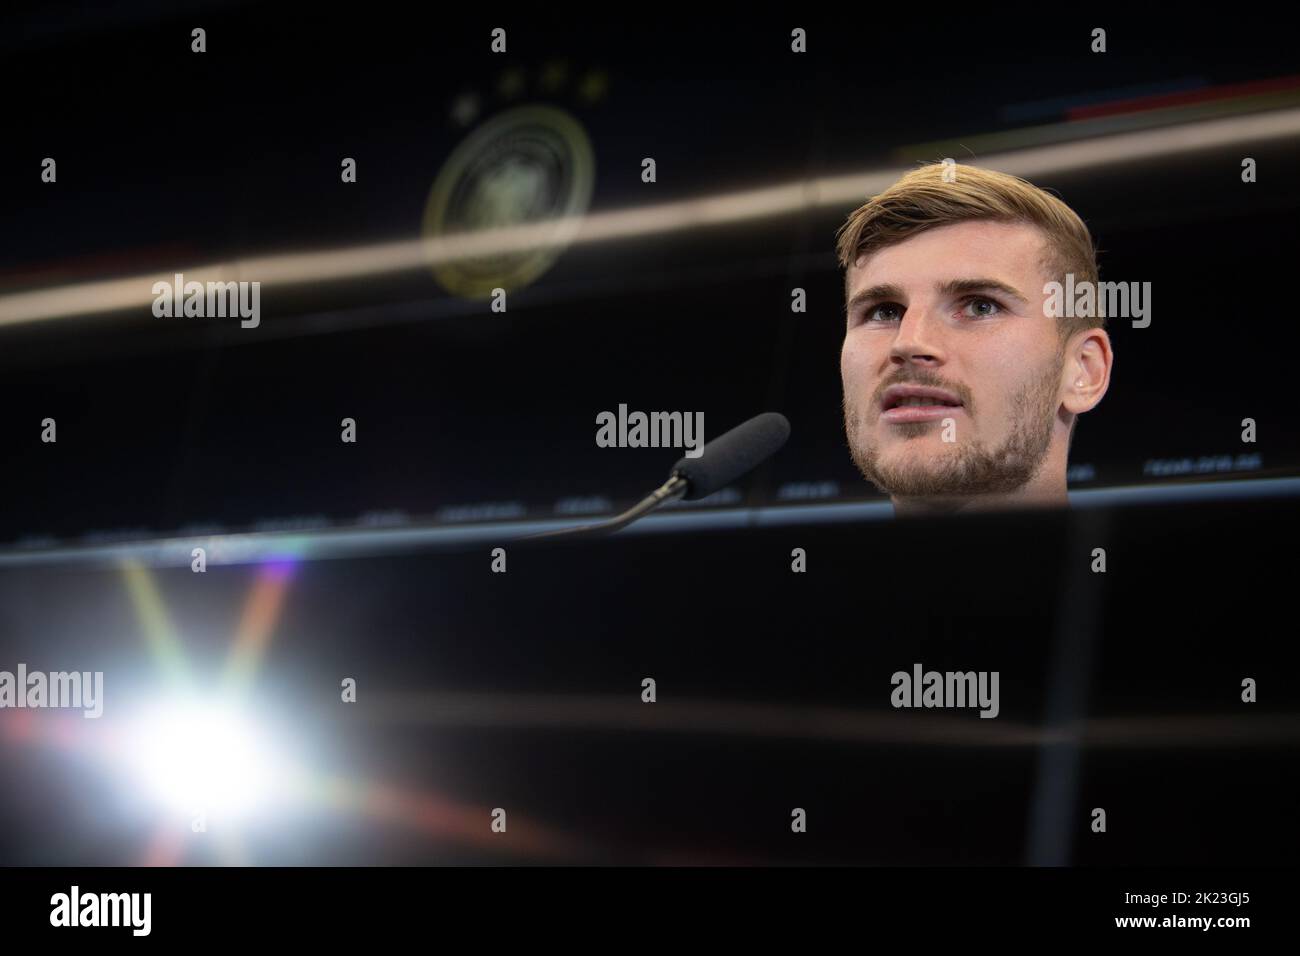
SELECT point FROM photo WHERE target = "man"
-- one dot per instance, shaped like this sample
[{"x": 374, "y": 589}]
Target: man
[{"x": 961, "y": 384}]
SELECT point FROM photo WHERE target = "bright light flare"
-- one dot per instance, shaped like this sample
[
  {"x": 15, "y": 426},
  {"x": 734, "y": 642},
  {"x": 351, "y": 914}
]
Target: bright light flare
[{"x": 205, "y": 757}]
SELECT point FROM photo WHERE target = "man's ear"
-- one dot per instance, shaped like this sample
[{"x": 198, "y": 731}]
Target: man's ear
[{"x": 1088, "y": 360}]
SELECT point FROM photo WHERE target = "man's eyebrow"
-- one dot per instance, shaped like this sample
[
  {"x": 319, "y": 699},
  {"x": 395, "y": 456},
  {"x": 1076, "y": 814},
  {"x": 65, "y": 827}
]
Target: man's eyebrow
[
  {"x": 960, "y": 286},
  {"x": 950, "y": 287},
  {"x": 884, "y": 291}
]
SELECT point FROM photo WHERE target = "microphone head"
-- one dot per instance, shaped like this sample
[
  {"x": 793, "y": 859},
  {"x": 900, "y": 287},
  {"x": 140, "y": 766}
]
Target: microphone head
[{"x": 733, "y": 454}]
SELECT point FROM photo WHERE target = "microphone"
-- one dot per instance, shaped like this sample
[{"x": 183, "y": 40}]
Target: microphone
[
  {"x": 723, "y": 460},
  {"x": 733, "y": 454}
]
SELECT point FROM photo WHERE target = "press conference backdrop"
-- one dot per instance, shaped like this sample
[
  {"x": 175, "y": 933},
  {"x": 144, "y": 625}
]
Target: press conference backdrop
[{"x": 169, "y": 160}]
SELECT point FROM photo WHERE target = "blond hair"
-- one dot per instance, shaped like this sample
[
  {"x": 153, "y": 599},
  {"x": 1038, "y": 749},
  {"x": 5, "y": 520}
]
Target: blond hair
[{"x": 922, "y": 200}]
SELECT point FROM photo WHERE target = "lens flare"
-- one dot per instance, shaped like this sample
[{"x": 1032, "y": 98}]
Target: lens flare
[{"x": 203, "y": 757}]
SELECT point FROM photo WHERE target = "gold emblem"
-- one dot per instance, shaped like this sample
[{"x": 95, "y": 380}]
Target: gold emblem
[{"x": 527, "y": 165}]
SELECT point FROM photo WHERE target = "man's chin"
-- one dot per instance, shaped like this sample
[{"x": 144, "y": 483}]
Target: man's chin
[
  {"x": 950, "y": 473},
  {"x": 924, "y": 463},
  {"x": 918, "y": 482},
  {"x": 915, "y": 470}
]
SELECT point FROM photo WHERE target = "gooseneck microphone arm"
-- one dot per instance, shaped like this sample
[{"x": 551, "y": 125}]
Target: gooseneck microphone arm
[
  {"x": 670, "y": 490},
  {"x": 718, "y": 464}
]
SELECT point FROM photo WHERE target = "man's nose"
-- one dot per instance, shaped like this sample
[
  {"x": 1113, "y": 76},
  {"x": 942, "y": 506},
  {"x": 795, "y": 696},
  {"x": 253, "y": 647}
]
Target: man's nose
[{"x": 919, "y": 337}]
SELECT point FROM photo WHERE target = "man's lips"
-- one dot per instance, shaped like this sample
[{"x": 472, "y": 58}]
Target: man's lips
[
  {"x": 919, "y": 413},
  {"x": 917, "y": 403}
]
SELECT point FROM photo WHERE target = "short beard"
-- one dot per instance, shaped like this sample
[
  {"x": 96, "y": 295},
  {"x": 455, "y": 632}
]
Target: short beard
[{"x": 974, "y": 469}]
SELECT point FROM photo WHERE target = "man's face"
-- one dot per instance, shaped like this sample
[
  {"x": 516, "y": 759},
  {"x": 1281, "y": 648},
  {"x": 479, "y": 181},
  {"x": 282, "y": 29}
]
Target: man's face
[{"x": 959, "y": 309}]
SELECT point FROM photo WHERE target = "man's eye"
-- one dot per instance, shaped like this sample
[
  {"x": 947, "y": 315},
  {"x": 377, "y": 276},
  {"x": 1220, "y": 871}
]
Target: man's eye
[
  {"x": 979, "y": 303},
  {"x": 885, "y": 312}
]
